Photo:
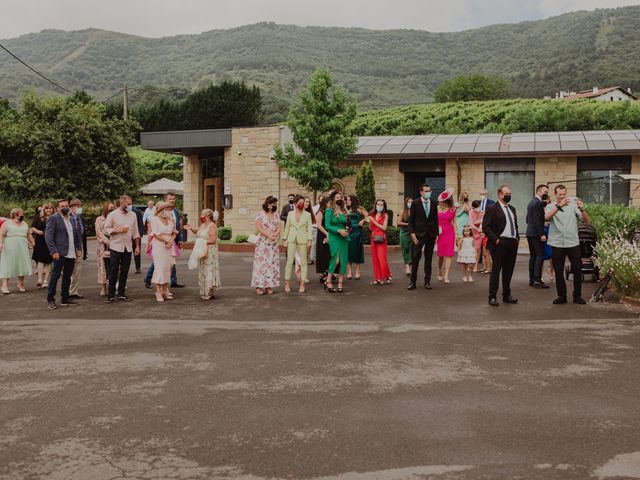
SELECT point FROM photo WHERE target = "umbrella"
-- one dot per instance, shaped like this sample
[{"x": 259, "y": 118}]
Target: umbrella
[{"x": 162, "y": 186}]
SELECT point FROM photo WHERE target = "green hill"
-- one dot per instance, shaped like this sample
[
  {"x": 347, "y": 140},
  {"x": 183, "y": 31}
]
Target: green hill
[{"x": 381, "y": 68}]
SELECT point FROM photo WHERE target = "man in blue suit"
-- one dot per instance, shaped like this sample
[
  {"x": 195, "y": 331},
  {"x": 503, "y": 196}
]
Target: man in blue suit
[
  {"x": 536, "y": 236},
  {"x": 170, "y": 198},
  {"x": 485, "y": 201},
  {"x": 64, "y": 242}
]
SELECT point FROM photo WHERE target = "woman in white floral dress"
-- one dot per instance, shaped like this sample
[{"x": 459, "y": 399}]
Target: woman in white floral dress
[
  {"x": 266, "y": 259},
  {"x": 208, "y": 266}
]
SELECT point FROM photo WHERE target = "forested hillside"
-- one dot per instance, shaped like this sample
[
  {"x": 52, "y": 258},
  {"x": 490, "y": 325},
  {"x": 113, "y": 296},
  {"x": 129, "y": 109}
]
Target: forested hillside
[{"x": 380, "y": 68}]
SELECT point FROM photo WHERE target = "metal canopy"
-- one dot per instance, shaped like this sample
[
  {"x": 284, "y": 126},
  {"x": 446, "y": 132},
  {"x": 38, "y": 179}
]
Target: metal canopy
[
  {"x": 187, "y": 142},
  {"x": 492, "y": 144}
]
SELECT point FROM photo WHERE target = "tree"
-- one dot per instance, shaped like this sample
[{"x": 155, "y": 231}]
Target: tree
[
  {"x": 54, "y": 147},
  {"x": 366, "y": 186},
  {"x": 321, "y": 127},
  {"x": 473, "y": 87}
]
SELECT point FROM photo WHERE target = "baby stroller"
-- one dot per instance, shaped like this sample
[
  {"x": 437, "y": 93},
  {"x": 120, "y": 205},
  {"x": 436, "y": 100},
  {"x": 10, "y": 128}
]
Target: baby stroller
[{"x": 588, "y": 240}]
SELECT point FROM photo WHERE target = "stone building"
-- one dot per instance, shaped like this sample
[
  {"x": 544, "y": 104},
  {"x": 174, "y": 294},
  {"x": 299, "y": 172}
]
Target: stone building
[{"x": 233, "y": 170}]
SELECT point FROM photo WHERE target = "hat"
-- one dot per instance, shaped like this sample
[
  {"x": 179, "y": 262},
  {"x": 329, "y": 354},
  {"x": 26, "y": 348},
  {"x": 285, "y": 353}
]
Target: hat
[
  {"x": 444, "y": 196},
  {"x": 160, "y": 206},
  {"x": 75, "y": 202}
]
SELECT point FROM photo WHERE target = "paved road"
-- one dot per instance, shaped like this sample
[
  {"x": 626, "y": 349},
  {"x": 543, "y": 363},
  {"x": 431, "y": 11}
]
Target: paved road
[{"x": 378, "y": 383}]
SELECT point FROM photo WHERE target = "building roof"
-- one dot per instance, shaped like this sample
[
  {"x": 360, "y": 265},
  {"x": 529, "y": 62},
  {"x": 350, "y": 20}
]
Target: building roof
[
  {"x": 593, "y": 93},
  {"x": 622, "y": 142},
  {"x": 186, "y": 142}
]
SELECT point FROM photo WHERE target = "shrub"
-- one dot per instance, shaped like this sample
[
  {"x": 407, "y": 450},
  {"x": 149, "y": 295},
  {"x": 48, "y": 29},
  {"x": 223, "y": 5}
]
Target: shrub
[
  {"x": 623, "y": 257},
  {"x": 224, "y": 233},
  {"x": 242, "y": 238},
  {"x": 614, "y": 220}
]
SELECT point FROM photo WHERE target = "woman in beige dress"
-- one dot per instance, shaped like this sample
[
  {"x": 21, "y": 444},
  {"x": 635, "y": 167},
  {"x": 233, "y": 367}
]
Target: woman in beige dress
[
  {"x": 208, "y": 266},
  {"x": 102, "y": 250},
  {"x": 162, "y": 229}
]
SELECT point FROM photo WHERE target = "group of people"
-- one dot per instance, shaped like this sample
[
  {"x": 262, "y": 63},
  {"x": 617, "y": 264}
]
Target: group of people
[{"x": 328, "y": 235}]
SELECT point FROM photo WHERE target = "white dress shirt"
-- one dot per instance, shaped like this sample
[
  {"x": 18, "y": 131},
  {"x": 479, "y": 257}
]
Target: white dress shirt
[{"x": 507, "y": 233}]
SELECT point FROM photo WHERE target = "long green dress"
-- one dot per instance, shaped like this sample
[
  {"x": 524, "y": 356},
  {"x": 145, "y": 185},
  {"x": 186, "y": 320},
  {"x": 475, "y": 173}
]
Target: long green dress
[
  {"x": 356, "y": 246},
  {"x": 338, "y": 245},
  {"x": 406, "y": 244},
  {"x": 15, "y": 259}
]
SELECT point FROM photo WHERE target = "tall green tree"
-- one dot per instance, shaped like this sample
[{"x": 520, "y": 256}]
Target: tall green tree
[
  {"x": 53, "y": 147},
  {"x": 321, "y": 124},
  {"x": 366, "y": 186},
  {"x": 473, "y": 87}
]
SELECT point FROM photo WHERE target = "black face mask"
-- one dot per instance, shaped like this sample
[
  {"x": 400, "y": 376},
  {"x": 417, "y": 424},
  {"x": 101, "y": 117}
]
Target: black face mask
[
  {"x": 507, "y": 198},
  {"x": 21, "y": 218},
  {"x": 340, "y": 203},
  {"x": 545, "y": 197},
  {"x": 291, "y": 202},
  {"x": 274, "y": 208},
  {"x": 64, "y": 211}
]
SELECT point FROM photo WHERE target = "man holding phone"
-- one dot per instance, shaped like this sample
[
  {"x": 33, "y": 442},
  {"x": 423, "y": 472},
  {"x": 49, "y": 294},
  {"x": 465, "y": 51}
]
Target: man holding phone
[
  {"x": 563, "y": 219},
  {"x": 122, "y": 227}
]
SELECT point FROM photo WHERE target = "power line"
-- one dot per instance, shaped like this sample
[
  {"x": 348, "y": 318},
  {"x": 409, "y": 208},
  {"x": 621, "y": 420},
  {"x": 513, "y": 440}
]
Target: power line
[{"x": 36, "y": 71}]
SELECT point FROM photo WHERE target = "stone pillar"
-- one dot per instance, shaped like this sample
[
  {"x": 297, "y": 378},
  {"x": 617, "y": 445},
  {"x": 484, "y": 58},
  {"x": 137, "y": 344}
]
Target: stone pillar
[
  {"x": 634, "y": 185},
  {"x": 191, "y": 203},
  {"x": 557, "y": 170}
]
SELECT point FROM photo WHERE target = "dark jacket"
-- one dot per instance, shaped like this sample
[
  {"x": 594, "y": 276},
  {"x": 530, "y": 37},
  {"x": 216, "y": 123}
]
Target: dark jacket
[
  {"x": 419, "y": 223},
  {"x": 82, "y": 226},
  {"x": 285, "y": 211},
  {"x": 180, "y": 236},
  {"x": 141, "y": 229},
  {"x": 495, "y": 221},
  {"x": 57, "y": 238},
  {"x": 535, "y": 218},
  {"x": 489, "y": 202}
]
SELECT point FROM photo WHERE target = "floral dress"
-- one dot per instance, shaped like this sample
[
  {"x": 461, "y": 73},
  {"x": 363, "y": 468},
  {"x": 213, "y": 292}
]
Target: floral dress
[
  {"x": 266, "y": 259},
  {"x": 208, "y": 267},
  {"x": 102, "y": 251}
]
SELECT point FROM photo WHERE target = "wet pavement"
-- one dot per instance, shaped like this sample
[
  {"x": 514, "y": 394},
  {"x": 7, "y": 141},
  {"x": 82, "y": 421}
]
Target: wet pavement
[{"x": 376, "y": 383}]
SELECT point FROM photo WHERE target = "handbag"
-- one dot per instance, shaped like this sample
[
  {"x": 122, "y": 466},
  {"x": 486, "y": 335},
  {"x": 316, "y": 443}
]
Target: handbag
[
  {"x": 378, "y": 239},
  {"x": 253, "y": 238}
]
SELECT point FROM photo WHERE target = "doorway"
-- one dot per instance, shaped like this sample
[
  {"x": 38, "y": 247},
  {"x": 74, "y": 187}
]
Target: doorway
[
  {"x": 213, "y": 197},
  {"x": 412, "y": 182}
]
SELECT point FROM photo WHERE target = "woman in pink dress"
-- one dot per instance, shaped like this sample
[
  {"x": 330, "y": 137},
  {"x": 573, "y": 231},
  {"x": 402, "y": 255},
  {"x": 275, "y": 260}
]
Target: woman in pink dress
[
  {"x": 475, "y": 219},
  {"x": 163, "y": 230},
  {"x": 448, "y": 234}
]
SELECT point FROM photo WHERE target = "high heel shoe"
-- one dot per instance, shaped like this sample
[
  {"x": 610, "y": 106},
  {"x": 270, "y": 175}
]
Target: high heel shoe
[
  {"x": 340, "y": 289},
  {"x": 446, "y": 279},
  {"x": 329, "y": 287},
  {"x": 159, "y": 297}
]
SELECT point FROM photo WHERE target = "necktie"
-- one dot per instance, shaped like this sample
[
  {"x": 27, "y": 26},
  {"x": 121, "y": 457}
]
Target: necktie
[
  {"x": 512, "y": 227},
  {"x": 427, "y": 208}
]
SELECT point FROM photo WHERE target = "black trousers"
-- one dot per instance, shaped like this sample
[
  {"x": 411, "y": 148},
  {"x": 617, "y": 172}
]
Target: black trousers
[
  {"x": 63, "y": 267},
  {"x": 426, "y": 243},
  {"x": 120, "y": 262},
  {"x": 536, "y": 258},
  {"x": 138, "y": 260},
  {"x": 558, "y": 258},
  {"x": 504, "y": 260}
]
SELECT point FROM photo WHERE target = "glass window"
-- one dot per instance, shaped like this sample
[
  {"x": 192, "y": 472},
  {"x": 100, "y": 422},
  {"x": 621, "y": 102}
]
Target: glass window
[
  {"x": 594, "y": 184},
  {"x": 522, "y": 190}
]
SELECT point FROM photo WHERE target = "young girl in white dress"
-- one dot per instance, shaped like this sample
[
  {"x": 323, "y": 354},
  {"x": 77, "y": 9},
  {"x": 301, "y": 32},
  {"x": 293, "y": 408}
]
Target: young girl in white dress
[{"x": 466, "y": 254}]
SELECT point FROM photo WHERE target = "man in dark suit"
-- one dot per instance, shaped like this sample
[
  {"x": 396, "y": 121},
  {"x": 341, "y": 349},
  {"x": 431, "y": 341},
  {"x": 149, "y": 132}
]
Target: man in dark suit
[
  {"x": 289, "y": 207},
  {"x": 500, "y": 225},
  {"x": 65, "y": 245},
  {"x": 76, "y": 215},
  {"x": 423, "y": 228},
  {"x": 536, "y": 236}
]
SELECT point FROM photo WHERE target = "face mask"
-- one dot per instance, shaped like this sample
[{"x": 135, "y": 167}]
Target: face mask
[
  {"x": 64, "y": 211},
  {"x": 545, "y": 197},
  {"x": 408, "y": 204},
  {"x": 274, "y": 208},
  {"x": 129, "y": 208},
  {"x": 379, "y": 209},
  {"x": 465, "y": 198},
  {"x": 483, "y": 196},
  {"x": 300, "y": 205},
  {"x": 21, "y": 218},
  {"x": 507, "y": 198},
  {"x": 203, "y": 219},
  {"x": 340, "y": 203},
  {"x": 426, "y": 195},
  {"x": 79, "y": 211},
  {"x": 291, "y": 202}
]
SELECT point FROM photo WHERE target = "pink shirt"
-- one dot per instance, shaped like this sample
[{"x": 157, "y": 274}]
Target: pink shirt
[{"x": 119, "y": 242}]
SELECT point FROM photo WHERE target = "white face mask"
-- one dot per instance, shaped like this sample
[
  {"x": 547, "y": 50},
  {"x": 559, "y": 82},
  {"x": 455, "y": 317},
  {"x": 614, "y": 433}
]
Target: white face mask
[
  {"x": 408, "y": 204},
  {"x": 426, "y": 195},
  {"x": 483, "y": 196}
]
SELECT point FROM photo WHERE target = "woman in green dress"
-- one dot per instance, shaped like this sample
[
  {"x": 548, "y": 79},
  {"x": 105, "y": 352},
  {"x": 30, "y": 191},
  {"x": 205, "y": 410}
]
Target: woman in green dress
[
  {"x": 406, "y": 244},
  {"x": 337, "y": 224},
  {"x": 356, "y": 245},
  {"x": 15, "y": 258}
]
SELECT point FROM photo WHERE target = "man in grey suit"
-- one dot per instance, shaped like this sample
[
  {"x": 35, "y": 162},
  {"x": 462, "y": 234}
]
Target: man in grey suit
[{"x": 64, "y": 242}]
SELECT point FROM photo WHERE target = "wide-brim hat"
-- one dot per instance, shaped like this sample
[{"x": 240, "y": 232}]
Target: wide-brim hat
[
  {"x": 160, "y": 206},
  {"x": 75, "y": 202},
  {"x": 444, "y": 196}
]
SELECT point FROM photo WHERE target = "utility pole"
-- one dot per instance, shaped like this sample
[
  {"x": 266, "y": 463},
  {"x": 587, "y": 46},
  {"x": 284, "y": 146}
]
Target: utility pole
[{"x": 125, "y": 111}]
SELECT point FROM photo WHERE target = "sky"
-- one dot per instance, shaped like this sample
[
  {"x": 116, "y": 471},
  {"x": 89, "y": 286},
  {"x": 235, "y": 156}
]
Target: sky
[{"x": 157, "y": 18}]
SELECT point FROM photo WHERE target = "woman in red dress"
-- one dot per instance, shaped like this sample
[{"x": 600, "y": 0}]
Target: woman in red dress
[{"x": 379, "y": 220}]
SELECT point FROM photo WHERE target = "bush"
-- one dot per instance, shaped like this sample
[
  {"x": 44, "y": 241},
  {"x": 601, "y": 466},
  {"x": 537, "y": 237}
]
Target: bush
[
  {"x": 242, "y": 238},
  {"x": 614, "y": 220},
  {"x": 224, "y": 233},
  {"x": 623, "y": 257}
]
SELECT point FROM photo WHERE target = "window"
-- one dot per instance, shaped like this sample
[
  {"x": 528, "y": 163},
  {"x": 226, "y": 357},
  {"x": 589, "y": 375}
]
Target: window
[
  {"x": 594, "y": 184},
  {"x": 519, "y": 174}
]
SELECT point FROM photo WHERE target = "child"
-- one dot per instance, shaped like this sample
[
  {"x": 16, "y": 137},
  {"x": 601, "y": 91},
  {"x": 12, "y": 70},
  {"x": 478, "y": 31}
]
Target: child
[{"x": 466, "y": 254}]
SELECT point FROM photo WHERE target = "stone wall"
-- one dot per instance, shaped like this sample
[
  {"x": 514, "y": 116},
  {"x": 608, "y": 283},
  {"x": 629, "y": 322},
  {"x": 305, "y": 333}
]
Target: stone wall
[
  {"x": 250, "y": 174},
  {"x": 634, "y": 191},
  {"x": 472, "y": 176},
  {"x": 557, "y": 170},
  {"x": 191, "y": 201}
]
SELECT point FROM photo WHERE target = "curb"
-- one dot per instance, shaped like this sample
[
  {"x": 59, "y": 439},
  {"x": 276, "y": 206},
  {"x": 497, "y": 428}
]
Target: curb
[
  {"x": 632, "y": 302},
  {"x": 249, "y": 248}
]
